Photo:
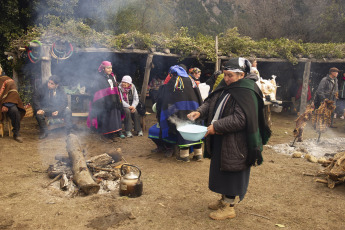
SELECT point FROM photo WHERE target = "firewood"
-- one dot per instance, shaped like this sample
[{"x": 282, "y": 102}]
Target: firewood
[
  {"x": 322, "y": 181},
  {"x": 63, "y": 182},
  {"x": 81, "y": 173},
  {"x": 52, "y": 181},
  {"x": 100, "y": 160}
]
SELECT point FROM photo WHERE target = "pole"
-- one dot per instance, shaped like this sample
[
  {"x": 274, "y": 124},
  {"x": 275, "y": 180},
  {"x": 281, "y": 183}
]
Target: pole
[
  {"x": 217, "y": 60},
  {"x": 304, "y": 94},
  {"x": 146, "y": 77}
]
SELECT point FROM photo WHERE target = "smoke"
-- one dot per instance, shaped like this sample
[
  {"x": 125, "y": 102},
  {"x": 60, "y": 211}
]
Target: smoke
[{"x": 179, "y": 122}]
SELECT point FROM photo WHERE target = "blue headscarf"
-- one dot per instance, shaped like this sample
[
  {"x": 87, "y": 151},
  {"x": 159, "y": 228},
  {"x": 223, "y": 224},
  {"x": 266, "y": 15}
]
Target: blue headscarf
[{"x": 178, "y": 70}]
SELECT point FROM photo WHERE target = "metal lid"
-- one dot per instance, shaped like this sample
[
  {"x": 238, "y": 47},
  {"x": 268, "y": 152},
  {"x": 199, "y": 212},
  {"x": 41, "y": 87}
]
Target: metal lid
[{"x": 131, "y": 176}]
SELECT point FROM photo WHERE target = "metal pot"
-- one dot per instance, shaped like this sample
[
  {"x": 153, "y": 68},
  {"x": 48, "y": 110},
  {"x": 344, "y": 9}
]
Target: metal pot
[{"x": 130, "y": 183}]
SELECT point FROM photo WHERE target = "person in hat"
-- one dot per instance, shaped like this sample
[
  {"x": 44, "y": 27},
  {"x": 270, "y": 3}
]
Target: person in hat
[
  {"x": 130, "y": 100},
  {"x": 11, "y": 104},
  {"x": 106, "y": 109},
  {"x": 195, "y": 73},
  {"x": 236, "y": 133},
  {"x": 179, "y": 96},
  {"x": 50, "y": 101},
  {"x": 328, "y": 88}
]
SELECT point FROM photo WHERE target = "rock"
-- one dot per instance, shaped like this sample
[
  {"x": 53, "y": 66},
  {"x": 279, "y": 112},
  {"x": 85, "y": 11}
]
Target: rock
[
  {"x": 310, "y": 158},
  {"x": 297, "y": 154}
]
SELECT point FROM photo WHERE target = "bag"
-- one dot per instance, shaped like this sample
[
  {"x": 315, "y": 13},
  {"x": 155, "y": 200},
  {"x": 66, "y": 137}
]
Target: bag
[{"x": 141, "y": 109}]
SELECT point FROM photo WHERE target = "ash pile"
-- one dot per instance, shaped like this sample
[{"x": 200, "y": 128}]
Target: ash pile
[{"x": 79, "y": 177}]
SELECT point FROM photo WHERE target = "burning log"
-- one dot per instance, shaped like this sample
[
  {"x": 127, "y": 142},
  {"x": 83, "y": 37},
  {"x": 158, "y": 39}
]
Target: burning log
[
  {"x": 81, "y": 173},
  {"x": 59, "y": 168},
  {"x": 100, "y": 161}
]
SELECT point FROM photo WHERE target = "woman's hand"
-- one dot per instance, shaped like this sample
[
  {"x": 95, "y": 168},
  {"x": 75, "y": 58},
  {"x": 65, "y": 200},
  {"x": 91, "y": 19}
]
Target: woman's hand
[
  {"x": 210, "y": 130},
  {"x": 193, "y": 116},
  {"x": 132, "y": 109}
]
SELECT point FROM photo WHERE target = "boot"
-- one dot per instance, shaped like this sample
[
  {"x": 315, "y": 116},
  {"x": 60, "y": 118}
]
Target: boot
[
  {"x": 198, "y": 155},
  {"x": 226, "y": 212},
  {"x": 217, "y": 205},
  {"x": 184, "y": 155}
]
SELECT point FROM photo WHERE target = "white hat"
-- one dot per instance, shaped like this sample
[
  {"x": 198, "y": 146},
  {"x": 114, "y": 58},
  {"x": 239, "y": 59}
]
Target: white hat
[{"x": 127, "y": 79}]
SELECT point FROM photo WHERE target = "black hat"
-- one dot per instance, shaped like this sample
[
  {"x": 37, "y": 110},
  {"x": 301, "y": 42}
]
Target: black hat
[
  {"x": 56, "y": 79},
  {"x": 237, "y": 65},
  {"x": 333, "y": 69}
]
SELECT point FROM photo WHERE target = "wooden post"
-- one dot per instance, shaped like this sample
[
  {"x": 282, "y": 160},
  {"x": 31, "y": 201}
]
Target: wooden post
[
  {"x": 304, "y": 95},
  {"x": 217, "y": 60},
  {"x": 146, "y": 77},
  {"x": 144, "y": 86},
  {"x": 45, "y": 63}
]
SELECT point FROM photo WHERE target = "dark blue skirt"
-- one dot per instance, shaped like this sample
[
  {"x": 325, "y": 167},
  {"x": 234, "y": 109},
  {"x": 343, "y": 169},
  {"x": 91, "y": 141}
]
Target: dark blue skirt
[
  {"x": 109, "y": 122},
  {"x": 223, "y": 182}
]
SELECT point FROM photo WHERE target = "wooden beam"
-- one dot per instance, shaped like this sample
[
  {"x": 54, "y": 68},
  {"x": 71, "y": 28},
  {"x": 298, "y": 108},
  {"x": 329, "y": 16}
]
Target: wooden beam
[
  {"x": 146, "y": 77},
  {"x": 304, "y": 95}
]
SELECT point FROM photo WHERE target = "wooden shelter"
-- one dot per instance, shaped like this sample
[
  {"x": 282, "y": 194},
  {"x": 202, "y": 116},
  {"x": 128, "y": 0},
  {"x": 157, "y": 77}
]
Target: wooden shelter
[{"x": 46, "y": 64}]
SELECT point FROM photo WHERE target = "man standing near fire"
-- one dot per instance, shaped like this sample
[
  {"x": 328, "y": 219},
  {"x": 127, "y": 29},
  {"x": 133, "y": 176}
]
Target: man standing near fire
[{"x": 328, "y": 88}]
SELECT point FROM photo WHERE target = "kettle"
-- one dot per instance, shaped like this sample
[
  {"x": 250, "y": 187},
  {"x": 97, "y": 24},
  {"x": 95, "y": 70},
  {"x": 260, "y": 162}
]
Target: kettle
[{"x": 130, "y": 183}]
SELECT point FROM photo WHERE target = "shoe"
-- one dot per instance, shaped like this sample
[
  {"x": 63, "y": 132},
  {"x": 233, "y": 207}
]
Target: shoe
[
  {"x": 342, "y": 117},
  {"x": 169, "y": 153},
  {"x": 217, "y": 205},
  {"x": 198, "y": 158},
  {"x": 223, "y": 213},
  {"x": 332, "y": 126},
  {"x": 122, "y": 136},
  {"x": 18, "y": 139},
  {"x": 43, "y": 135},
  {"x": 105, "y": 139},
  {"x": 335, "y": 115},
  {"x": 140, "y": 134},
  {"x": 158, "y": 150},
  {"x": 129, "y": 134},
  {"x": 183, "y": 159}
]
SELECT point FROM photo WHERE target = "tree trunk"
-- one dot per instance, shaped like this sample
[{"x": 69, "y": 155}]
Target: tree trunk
[{"x": 81, "y": 173}]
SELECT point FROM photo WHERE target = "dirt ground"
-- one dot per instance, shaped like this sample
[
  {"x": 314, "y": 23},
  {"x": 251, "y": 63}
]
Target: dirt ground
[{"x": 175, "y": 194}]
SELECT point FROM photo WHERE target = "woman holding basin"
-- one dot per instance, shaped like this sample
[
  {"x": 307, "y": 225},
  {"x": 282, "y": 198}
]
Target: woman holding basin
[{"x": 235, "y": 134}]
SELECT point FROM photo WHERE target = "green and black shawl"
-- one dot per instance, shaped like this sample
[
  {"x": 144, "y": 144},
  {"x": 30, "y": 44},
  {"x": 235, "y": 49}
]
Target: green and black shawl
[{"x": 249, "y": 97}]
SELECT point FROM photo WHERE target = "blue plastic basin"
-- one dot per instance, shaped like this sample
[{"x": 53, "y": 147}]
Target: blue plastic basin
[{"x": 192, "y": 132}]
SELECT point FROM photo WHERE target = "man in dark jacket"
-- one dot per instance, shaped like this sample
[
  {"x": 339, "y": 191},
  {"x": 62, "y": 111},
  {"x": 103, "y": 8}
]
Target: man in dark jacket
[
  {"x": 328, "y": 88},
  {"x": 11, "y": 104},
  {"x": 51, "y": 101}
]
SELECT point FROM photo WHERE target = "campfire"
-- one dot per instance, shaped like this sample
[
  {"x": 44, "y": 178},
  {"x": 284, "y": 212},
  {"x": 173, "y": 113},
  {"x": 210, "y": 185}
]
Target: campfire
[{"x": 78, "y": 176}]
